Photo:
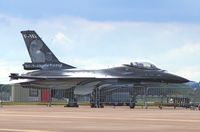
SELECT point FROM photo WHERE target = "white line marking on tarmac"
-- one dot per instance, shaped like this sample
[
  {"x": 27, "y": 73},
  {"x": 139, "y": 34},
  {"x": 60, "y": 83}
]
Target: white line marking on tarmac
[
  {"x": 22, "y": 130},
  {"x": 106, "y": 118}
]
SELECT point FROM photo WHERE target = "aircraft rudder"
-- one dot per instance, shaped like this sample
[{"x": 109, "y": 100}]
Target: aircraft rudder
[{"x": 39, "y": 53}]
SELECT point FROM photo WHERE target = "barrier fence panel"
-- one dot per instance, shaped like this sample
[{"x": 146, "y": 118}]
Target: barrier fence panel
[{"x": 142, "y": 96}]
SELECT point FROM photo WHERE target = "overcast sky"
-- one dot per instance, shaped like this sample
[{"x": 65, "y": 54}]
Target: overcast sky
[{"x": 104, "y": 33}]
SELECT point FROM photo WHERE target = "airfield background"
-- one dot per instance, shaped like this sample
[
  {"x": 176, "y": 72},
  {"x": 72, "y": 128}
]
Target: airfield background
[{"x": 179, "y": 95}]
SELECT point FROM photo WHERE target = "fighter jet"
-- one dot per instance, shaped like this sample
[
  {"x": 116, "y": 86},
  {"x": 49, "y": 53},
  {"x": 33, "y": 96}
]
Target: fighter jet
[{"x": 49, "y": 72}]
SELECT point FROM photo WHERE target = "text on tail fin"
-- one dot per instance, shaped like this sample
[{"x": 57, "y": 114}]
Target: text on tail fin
[
  {"x": 37, "y": 49},
  {"x": 41, "y": 56}
]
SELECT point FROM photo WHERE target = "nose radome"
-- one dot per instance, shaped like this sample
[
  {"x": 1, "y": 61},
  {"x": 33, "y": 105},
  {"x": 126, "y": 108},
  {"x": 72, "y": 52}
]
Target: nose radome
[
  {"x": 178, "y": 79},
  {"x": 172, "y": 78},
  {"x": 183, "y": 80}
]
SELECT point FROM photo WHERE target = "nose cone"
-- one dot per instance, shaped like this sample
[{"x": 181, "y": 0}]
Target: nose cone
[
  {"x": 182, "y": 80},
  {"x": 176, "y": 79}
]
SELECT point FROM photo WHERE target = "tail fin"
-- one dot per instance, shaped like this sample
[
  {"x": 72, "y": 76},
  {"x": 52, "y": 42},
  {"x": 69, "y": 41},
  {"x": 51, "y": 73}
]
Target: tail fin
[{"x": 38, "y": 51}]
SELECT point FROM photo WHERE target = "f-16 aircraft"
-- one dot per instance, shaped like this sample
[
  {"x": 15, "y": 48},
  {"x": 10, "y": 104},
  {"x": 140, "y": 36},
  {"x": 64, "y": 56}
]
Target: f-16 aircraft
[{"x": 49, "y": 72}]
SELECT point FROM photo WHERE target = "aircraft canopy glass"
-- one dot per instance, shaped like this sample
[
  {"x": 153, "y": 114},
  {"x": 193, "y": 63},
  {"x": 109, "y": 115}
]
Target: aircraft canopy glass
[{"x": 143, "y": 65}]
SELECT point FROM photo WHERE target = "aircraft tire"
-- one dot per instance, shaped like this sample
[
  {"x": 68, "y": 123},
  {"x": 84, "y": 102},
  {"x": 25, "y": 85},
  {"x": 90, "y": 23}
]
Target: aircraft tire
[
  {"x": 132, "y": 105},
  {"x": 92, "y": 105},
  {"x": 72, "y": 105},
  {"x": 101, "y": 106}
]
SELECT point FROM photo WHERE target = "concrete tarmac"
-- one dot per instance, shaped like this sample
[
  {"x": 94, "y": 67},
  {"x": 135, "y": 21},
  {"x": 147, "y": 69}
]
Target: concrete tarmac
[{"x": 86, "y": 119}]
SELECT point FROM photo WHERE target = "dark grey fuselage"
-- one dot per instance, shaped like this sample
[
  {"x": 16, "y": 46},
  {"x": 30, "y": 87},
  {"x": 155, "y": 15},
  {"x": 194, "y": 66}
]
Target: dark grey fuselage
[
  {"x": 126, "y": 74},
  {"x": 49, "y": 72}
]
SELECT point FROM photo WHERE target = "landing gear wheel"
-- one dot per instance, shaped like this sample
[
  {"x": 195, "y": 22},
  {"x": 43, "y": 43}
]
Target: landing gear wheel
[
  {"x": 72, "y": 103},
  {"x": 101, "y": 106},
  {"x": 132, "y": 105},
  {"x": 92, "y": 105}
]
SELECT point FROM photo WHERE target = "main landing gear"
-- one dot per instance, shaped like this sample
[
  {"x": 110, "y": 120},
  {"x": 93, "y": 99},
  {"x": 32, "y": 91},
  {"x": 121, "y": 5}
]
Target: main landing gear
[
  {"x": 95, "y": 100},
  {"x": 132, "y": 101},
  {"x": 72, "y": 103},
  {"x": 72, "y": 100},
  {"x": 132, "y": 105}
]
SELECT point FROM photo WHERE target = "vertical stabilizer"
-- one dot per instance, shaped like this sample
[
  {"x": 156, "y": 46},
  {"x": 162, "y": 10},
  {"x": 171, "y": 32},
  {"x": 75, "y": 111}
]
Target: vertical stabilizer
[
  {"x": 39, "y": 52},
  {"x": 37, "y": 49}
]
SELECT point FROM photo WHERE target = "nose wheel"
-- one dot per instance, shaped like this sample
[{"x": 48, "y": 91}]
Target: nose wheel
[
  {"x": 132, "y": 105},
  {"x": 132, "y": 101}
]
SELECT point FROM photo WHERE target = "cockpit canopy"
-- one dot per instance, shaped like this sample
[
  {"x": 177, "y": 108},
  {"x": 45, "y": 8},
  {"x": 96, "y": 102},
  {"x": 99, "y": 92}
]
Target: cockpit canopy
[{"x": 143, "y": 65}]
